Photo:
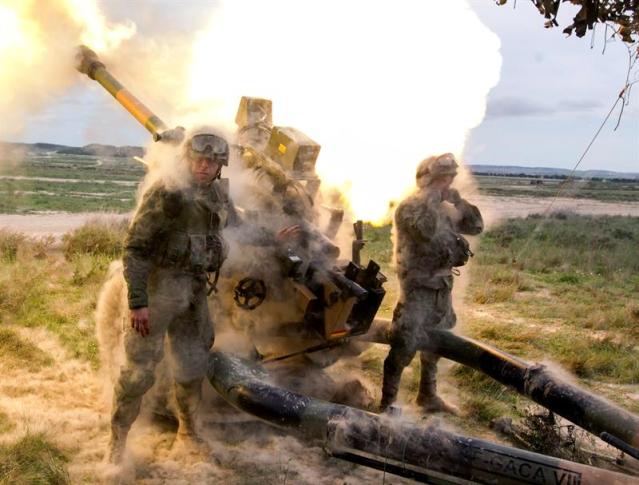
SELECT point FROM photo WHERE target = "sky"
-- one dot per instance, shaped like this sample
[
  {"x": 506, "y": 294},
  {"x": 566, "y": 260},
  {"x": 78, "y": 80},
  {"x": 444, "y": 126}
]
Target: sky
[{"x": 553, "y": 92}]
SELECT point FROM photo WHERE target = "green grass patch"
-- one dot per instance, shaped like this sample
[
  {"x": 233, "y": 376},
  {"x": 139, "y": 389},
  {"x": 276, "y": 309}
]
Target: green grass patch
[
  {"x": 32, "y": 460},
  {"x": 378, "y": 245},
  {"x": 69, "y": 183},
  {"x": 564, "y": 287},
  {"x": 59, "y": 293},
  {"x": 579, "y": 246},
  {"x": 604, "y": 190},
  {"x": 484, "y": 399},
  {"x": 601, "y": 359},
  {"x": 16, "y": 351},
  {"x": 379, "y": 248}
]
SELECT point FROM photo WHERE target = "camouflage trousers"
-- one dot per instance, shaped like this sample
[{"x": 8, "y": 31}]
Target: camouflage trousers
[
  {"x": 420, "y": 309},
  {"x": 178, "y": 309}
]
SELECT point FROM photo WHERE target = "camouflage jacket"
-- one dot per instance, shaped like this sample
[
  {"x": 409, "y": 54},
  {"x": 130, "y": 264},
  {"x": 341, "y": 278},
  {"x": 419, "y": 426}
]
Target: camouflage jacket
[
  {"x": 181, "y": 229},
  {"x": 427, "y": 237}
]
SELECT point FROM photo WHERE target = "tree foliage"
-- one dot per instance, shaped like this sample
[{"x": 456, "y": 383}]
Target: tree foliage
[{"x": 623, "y": 13}]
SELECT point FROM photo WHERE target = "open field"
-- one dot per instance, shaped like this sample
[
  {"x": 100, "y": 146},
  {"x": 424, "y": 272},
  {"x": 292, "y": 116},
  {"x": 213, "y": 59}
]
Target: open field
[
  {"x": 602, "y": 190},
  {"x": 561, "y": 290},
  {"x": 53, "y": 182},
  {"x": 68, "y": 183}
]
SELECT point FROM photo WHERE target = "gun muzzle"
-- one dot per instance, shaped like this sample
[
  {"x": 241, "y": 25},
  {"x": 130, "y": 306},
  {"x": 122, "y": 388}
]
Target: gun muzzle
[{"x": 87, "y": 62}]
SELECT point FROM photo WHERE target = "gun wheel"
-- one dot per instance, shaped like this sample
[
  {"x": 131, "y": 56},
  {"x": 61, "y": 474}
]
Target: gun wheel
[{"x": 249, "y": 293}]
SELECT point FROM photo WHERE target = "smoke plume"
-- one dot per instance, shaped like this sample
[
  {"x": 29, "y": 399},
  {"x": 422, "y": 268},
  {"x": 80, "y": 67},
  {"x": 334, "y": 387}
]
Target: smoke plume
[
  {"x": 37, "y": 47},
  {"x": 380, "y": 86}
]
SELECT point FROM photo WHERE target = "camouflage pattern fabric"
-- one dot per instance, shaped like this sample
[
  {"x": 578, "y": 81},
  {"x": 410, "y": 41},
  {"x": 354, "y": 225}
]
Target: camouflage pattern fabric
[
  {"x": 173, "y": 241},
  {"x": 427, "y": 239},
  {"x": 178, "y": 309},
  {"x": 178, "y": 229}
]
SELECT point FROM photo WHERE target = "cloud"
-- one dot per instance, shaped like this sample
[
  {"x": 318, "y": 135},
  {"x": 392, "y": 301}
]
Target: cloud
[
  {"x": 578, "y": 105},
  {"x": 520, "y": 107}
]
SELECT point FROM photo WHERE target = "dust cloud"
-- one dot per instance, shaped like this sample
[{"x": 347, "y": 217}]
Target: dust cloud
[{"x": 30, "y": 77}]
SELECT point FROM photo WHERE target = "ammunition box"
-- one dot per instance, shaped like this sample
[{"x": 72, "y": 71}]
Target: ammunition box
[
  {"x": 254, "y": 110},
  {"x": 293, "y": 150}
]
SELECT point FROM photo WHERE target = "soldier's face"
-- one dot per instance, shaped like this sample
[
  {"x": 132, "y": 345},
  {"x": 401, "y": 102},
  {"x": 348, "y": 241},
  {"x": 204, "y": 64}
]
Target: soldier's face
[
  {"x": 205, "y": 169},
  {"x": 443, "y": 183},
  {"x": 447, "y": 181}
]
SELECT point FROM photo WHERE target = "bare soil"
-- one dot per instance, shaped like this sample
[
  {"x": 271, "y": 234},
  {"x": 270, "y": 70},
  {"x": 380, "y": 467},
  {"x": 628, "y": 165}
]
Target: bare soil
[
  {"x": 496, "y": 208},
  {"x": 52, "y": 223},
  {"x": 67, "y": 400}
]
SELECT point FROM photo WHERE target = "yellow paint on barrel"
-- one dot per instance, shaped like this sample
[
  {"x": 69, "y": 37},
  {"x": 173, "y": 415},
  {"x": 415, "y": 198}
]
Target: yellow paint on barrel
[{"x": 133, "y": 106}]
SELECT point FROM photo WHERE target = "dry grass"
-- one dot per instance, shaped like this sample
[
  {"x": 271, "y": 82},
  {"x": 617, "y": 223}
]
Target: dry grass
[
  {"x": 97, "y": 238},
  {"x": 32, "y": 460},
  {"x": 16, "y": 351},
  {"x": 567, "y": 308},
  {"x": 5, "y": 423}
]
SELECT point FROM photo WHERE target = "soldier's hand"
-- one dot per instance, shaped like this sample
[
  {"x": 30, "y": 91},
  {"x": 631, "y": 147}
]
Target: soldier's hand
[
  {"x": 288, "y": 233},
  {"x": 140, "y": 320},
  {"x": 453, "y": 196}
]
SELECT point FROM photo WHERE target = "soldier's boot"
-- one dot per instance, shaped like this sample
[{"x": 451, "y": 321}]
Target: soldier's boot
[
  {"x": 117, "y": 444},
  {"x": 390, "y": 385},
  {"x": 188, "y": 396},
  {"x": 430, "y": 402},
  {"x": 435, "y": 404},
  {"x": 427, "y": 397}
]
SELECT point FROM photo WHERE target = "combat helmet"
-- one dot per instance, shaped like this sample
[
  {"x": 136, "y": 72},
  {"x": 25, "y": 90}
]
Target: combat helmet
[
  {"x": 208, "y": 145},
  {"x": 435, "y": 167}
]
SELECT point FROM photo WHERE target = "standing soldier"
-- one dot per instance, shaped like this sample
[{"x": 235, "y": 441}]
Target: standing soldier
[
  {"x": 173, "y": 244},
  {"x": 428, "y": 246}
]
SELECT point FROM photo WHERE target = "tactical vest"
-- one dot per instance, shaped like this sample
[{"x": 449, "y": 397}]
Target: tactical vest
[{"x": 194, "y": 242}]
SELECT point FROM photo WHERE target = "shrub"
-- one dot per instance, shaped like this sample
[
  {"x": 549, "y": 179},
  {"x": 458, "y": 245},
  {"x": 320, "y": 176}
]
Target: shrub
[
  {"x": 10, "y": 242},
  {"x": 95, "y": 238}
]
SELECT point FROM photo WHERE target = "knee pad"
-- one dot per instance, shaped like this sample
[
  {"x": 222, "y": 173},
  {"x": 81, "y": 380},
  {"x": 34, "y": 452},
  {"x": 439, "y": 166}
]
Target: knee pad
[{"x": 136, "y": 381}]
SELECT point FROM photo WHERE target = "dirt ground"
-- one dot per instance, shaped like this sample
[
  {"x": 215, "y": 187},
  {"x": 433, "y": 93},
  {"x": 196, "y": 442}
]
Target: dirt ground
[
  {"x": 53, "y": 223},
  {"x": 69, "y": 400},
  {"x": 497, "y": 208}
]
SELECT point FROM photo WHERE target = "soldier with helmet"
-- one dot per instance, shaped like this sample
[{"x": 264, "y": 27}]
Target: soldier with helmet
[
  {"x": 428, "y": 246},
  {"x": 173, "y": 245}
]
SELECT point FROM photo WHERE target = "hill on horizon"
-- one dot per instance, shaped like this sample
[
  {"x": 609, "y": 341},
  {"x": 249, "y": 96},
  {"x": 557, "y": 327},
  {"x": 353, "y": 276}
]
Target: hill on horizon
[
  {"x": 12, "y": 149},
  {"x": 93, "y": 149},
  {"x": 514, "y": 170}
]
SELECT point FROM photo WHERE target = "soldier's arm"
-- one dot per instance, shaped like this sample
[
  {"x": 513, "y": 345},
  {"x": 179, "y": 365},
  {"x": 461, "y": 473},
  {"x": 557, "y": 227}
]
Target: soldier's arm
[
  {"x": 470, "y": 221},
  {"x": 248, "y": 233},
  {"x": 151, "y": 221},
  {"x": 234, "y": 219},
  {"x": 417, "y": 220}
]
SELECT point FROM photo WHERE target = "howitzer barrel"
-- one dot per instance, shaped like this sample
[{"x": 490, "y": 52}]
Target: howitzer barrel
[
  {"x": 535, "y": 381},
  {"x": 89, "y": 64},
  {"x": 425, "y": 453}
]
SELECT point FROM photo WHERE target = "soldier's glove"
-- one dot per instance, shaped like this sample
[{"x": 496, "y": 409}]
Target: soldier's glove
[
  {"x": 461, "y": 251},
  {"x": 174, "y": 136},
  {"x": 217, "y": 248},
  {"x": 453, "y": 196}
]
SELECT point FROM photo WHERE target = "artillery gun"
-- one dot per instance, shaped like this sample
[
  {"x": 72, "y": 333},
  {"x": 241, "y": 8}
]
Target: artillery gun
[
  {"x": 335, "y": 304},
  {"x": 333, "y": 300}
]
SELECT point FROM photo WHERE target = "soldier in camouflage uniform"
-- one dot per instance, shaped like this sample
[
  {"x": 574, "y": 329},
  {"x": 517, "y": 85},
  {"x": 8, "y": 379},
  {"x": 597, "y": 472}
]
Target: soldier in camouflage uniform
[
  {"x": 174, "y": 242},
  {"x": 428, "y": 245}
]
